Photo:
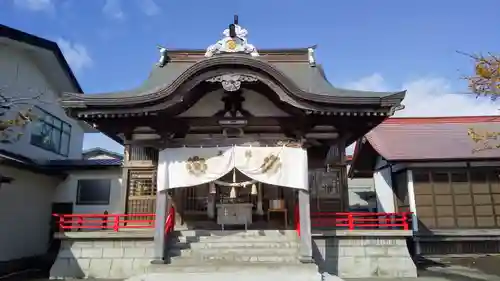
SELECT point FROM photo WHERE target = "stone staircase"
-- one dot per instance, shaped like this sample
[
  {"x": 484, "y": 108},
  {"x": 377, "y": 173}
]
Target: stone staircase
[{"x": 233, "y": 248}]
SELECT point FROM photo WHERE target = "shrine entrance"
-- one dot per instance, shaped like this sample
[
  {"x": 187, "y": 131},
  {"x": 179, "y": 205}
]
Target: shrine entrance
[
  {"x": 230, "y": 95},
  {"x": 201, "y": 207},
  {"x": 240, "y": 187}
]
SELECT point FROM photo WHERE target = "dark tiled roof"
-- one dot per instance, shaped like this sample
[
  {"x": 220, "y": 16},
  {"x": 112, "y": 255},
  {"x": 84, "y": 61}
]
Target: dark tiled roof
[
  {"x": 22, "y": 162},
  {"x": 39, "y": 42},
  {"x": 424, "y": 139},
  {"x": 9, "y": 156},
  {"x": 301, "y": 75},
  {"x": 432, "y": 138},
  {"x": 57, "y": 165},
  {"x": 81, "y": 163},
  {"x": 86, "y": 154}
]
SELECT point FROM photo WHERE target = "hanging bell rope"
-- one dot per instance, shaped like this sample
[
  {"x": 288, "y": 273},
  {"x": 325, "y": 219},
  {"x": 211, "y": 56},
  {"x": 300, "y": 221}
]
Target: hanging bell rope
[
  {"x": 235, "y": 184},
  {"x": 254, "y": 189},
  {"x": 232, "y": 194}
]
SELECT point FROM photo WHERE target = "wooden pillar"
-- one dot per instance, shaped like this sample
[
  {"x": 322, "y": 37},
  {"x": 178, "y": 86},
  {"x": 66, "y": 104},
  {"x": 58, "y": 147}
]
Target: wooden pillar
[
  {"x": 305, "y": 217},
  {"x": 413, "y": 209},
  {"x": 159, "y": 235},
  {"x": 162, "y": 206},
  {"x": 125, "y": 180}
]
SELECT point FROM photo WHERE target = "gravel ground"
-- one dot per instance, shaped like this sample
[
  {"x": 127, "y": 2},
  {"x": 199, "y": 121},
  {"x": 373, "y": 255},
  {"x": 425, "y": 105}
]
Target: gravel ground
[{"x": 473, "y": 268}]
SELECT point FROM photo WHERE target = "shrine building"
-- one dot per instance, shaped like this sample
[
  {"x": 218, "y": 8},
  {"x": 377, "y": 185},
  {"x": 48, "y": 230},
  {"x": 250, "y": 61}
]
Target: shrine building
[{"x": 235, "y": 129}]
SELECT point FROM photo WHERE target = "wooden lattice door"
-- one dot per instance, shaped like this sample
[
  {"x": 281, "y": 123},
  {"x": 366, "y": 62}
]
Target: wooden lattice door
[{"x": 142, "y": 192}]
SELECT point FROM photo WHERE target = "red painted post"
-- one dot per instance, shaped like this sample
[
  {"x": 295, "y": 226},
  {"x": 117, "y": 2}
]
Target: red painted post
[
  {"x": 61, "y": 223},
  {"x": 116, "y": 225},
  {"x": 405, "y": 221},
  {"x": 350, "y": 221},
  {"x": 80, "y": 222},
  {"x": 105, "y": 220}
]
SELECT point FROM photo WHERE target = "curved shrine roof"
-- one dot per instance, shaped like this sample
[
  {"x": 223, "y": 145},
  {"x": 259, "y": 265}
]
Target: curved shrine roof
[
  {"x": 292, "y": 74},
  {"x": 307, "y": 82}
]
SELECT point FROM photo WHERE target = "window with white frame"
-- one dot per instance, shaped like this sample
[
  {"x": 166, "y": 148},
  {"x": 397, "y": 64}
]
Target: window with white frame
[
  {"x": 93, "y": 192},
  {"x": 50, "y": 133}
]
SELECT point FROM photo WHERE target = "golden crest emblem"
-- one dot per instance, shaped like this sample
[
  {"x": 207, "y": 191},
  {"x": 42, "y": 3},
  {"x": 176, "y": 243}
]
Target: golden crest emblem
[
  {"x": 248, "y": 153},
  {"x": 196, "y": 165},
  {"x": 271, "y": 164},
  {"x": 231, "y": 44}
]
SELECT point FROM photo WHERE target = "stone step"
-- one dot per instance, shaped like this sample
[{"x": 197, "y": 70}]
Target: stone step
[
  {"x": 233, "y": 258},
  {"x": 242, "y": 233},
  {"x": 226, "y": 239},
  {"x": 242, "y": 245},
  {"x": 231, "y": 267},
  {"x": 233, "y": 251}
]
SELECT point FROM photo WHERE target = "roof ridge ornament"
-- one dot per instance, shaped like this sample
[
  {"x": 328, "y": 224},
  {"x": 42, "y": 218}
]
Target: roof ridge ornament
[
  {"x": 311, "y": 55},
  {"x": 163, "y": 56},
  {"x": 234, "y": 41}
]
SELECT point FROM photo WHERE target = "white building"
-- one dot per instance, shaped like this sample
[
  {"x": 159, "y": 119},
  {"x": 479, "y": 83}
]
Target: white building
[{"x": 39, "y": 168}]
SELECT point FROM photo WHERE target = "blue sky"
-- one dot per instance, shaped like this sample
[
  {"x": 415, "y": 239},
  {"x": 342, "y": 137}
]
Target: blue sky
[{"x": 363, "y": 44}]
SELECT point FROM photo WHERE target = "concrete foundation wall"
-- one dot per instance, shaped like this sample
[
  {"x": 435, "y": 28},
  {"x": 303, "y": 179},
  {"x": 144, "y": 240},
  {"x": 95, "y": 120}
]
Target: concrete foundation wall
[
  {"x": 25, "y": 206},
  {"x": 102, "y": 258},
  {"x": 347, "y": 254},
  {"x": 363, "y": 255}
]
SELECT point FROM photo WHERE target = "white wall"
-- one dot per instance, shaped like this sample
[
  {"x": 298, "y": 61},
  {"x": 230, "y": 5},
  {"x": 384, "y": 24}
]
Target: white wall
[
  {"x": 383, "y": 187},
  {"x": 102, "y": 156},
  {"x": 24, "y": 79},
  {"x": 67, "y": 191},
  {"x": 25, "y": 210}
]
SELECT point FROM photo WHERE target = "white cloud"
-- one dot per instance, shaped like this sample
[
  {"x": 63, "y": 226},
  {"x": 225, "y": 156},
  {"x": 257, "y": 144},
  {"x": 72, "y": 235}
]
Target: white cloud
[
  {"x": 149, "y": 7},
  {"x": 430, "y": 97},
  {"x": 35, "y": 5},
  {"x": 76, "y": 54},
  {"x": 113, "y": 9}
]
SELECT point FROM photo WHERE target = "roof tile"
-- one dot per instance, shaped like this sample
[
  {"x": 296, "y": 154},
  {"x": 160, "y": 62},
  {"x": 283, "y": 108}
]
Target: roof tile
[{"x": 432, "y": 138}]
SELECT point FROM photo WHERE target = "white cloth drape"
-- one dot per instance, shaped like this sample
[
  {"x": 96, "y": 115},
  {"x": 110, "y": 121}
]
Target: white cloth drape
[
  {"x": 286, "y": 171},
  {"x": 218, "y": 161},
  {"x": 285, "y": 166}
]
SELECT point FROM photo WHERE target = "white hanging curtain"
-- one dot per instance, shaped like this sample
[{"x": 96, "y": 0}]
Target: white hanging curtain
[
  {"x": 182, "y": 167},
  {"x": 283, "y": 166},
  {"x": 190, "y": 166}
]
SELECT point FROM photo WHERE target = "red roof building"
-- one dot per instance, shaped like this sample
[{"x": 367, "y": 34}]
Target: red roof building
[
  {"x": 425, "y": 139},
  {"x": 434, "y": 168}
]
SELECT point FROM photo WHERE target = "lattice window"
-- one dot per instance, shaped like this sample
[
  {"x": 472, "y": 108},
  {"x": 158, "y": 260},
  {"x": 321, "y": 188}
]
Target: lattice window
[
  {"x": 142, "y": 192},
  {"x": 139, "y": 153},
  {"x": 142, "y": 183}
]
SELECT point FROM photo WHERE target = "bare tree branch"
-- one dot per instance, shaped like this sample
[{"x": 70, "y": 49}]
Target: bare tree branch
[
  {"x": 485, "y": 81},
  {"x": 13, "y": 121}
]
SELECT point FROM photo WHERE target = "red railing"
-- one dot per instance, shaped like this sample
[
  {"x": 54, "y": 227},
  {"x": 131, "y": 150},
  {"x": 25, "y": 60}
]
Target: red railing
[
  {"x": 361, "y": 220},
  {"x": 114, "y": 222},
  {"x": 356, "y": 220},
  {"x": 105, "y": 221}
]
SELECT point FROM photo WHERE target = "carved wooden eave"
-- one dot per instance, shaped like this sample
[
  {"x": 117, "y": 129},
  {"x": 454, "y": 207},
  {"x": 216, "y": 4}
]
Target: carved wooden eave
[
  {"x": 382, "y": 112},
  {"x": 354, "y": 112}
]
